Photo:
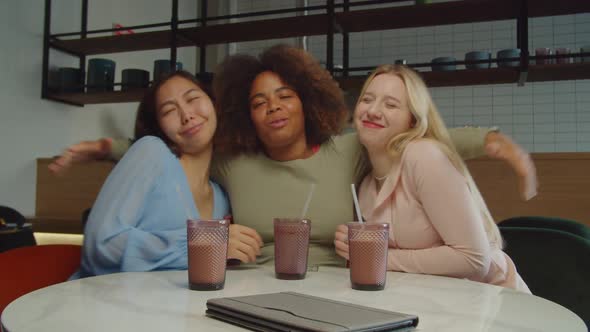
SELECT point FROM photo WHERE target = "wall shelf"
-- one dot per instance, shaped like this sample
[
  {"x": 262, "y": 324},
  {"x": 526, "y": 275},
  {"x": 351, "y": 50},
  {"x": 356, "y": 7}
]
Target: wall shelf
[
  {"x": 542, "y": 8},
  {"x": 559, "y": 72},
  {"x": 123, "y": 43},
  {"x": 83, "y": 98},
  {"x": 335, "y": 19},
  {"x": 312, "y": 25},
  {"x": 319, "y": 24},
  {"x": 555, "y": 72},
  {"x": 462, "y": 77},
  {"x": 426, "y": 15}
]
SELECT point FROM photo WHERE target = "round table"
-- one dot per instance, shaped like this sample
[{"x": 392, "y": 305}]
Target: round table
[{"x": 161, "y": 301}]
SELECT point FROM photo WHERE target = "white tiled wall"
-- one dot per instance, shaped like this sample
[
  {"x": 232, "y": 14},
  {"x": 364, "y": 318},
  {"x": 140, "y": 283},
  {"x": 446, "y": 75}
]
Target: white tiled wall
[{"x": 543, "y": 117}]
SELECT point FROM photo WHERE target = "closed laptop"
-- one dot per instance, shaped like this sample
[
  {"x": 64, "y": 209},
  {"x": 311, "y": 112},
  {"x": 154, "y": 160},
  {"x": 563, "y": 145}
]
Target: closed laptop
[{"x": 289, "y": 311}]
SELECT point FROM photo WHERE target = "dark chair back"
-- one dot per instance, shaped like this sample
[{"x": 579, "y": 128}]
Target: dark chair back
[
  {"x": 14, "y": 232},
  {"x": 555, "y": 265},
  {"x": 12, "y": 216},
  {"x": 559, "y": 224}
]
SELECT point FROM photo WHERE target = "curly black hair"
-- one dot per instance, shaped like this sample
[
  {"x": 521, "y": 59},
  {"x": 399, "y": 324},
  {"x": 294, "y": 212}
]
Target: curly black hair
[{"x": 323, "y": 102}]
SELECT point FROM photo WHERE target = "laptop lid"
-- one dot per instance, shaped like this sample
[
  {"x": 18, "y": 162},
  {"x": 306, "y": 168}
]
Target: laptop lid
[{"x": 290, "y": 311}]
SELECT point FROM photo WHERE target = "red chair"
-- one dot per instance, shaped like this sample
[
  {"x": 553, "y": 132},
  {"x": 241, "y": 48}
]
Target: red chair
[{"x": 27, "y": 269}]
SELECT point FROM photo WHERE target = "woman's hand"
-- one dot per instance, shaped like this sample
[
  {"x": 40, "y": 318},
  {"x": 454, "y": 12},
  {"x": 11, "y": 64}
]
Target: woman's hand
[
  {"x": 244, "y": 243},
  {"x": 81, "y": 152},
  {"x": 341, "y": 241},
  {"x": 500, "y": 146}
]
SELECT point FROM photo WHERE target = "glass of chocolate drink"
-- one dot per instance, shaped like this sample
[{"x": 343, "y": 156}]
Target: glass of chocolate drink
[
  {"x": 207, "y": 253},
  {"x": 291, "y": 247},
  {"x": 367, "y": 245}
]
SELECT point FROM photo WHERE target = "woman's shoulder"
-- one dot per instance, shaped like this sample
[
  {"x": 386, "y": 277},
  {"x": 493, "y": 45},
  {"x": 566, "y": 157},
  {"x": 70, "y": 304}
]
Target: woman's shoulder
[
  {"x": 346, "y": 139},
  {"x": 150, "y": 144},
  {"x": 149, "y": 151},
  {"x": 345, "y": 144},
  {"x": 424, "y": 150}
]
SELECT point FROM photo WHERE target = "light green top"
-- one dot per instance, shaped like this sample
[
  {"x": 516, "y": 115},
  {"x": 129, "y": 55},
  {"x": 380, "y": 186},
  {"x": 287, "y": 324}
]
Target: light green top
[{"x": 261, "y": 189}]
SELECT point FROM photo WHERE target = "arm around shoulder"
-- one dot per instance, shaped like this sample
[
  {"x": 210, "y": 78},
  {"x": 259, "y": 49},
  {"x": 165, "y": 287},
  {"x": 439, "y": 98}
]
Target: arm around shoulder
[
  {"x": 470, "y": 142},
  {"x": 118, "y": 148}
]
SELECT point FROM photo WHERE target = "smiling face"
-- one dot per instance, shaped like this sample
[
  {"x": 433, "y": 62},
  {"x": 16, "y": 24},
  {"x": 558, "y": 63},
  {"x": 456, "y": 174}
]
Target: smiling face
[
  {"x": 186, "y": 115},
  {"x": 382, "y": 112},
  {"x": 276, "y": 111}
]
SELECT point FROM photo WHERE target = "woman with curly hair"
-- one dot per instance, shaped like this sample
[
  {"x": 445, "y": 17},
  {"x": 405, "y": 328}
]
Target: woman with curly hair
[{"x": 280, "y": 115}]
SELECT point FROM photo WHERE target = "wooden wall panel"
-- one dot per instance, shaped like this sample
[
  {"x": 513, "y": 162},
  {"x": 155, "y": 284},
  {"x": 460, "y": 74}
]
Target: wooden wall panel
[
  {"x": 65, "y": 197},
  {"x": 564, "y": 187},
  {"x": 564, "y": 191}
]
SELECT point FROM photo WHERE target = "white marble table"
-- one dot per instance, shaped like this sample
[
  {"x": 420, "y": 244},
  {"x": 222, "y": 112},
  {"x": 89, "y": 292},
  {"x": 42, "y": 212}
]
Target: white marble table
[{"x": 161, "y": 301}]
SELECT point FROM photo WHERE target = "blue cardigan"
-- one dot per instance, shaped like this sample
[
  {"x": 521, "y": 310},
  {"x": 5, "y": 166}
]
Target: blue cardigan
[{"x": 138, "y": 222}]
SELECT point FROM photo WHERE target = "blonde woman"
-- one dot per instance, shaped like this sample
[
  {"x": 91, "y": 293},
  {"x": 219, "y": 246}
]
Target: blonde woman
[{"x": 439, "y": 223}]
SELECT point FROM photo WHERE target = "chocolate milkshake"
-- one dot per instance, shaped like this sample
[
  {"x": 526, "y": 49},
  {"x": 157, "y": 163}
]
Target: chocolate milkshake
[
  {"x": 207, "y": 253},
  {"x": 206, "y": 263},
  {"x": 368, "y": 255},
  {"x": 291, "y": 247}
]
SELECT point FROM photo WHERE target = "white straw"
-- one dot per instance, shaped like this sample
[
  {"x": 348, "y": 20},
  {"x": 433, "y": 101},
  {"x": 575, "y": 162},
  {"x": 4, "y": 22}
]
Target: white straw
[
  {"x": 187, "y": 209},
  {"x": 306, "y": 205},
  {"x": 357, "y": 207}
]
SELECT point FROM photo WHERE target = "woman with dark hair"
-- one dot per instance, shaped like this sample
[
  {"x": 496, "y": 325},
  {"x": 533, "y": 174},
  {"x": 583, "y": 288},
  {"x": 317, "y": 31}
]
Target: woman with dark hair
[
  {"x": 138, "y": 222},
  {"x": 280, "y": 115}
]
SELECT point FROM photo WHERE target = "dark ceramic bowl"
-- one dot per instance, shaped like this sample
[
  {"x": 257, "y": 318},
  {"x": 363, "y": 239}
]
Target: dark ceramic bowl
[
  {"x": 134, "y": 79},
  {"x": 507, "y": 54},
  {"x": 477, "y": 56},
  {"x": 163, "y": 68},
  {"x": 439, "y": 64}
]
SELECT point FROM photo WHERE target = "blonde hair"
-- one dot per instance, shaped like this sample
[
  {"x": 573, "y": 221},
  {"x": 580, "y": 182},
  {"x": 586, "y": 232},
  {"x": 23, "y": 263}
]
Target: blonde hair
[{"x": 429, "y": 124}]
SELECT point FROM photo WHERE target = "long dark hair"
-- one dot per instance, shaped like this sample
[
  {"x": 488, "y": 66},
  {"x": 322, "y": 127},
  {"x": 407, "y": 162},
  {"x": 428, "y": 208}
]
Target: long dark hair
[{"x": 146, "y": 121}]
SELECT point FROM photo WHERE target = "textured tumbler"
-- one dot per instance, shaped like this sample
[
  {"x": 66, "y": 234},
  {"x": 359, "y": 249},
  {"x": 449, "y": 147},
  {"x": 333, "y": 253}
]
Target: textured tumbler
[
  {"x": 207, "y": 253},
  {"x": 368, "y": 255},
  {"x": 291, "y": 247}
]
